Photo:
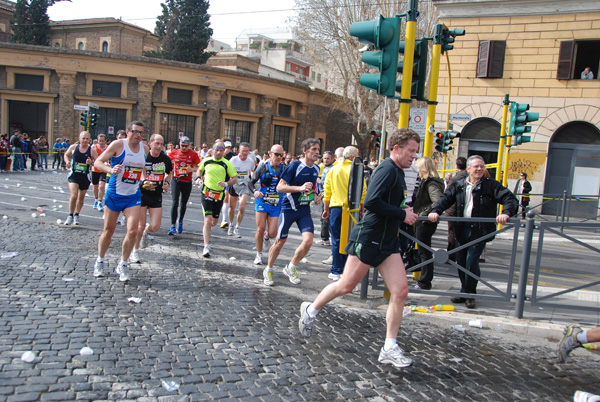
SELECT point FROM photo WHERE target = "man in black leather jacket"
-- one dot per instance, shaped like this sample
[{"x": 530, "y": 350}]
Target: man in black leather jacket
[{"x": 477, "y": 197}]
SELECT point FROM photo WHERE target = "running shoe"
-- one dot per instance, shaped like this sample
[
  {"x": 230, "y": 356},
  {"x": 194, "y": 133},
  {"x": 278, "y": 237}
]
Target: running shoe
[
  {"x": 123, "y": 271},
  {"x": 172, "y": 231},
  {"x": 268, "y": 277},
  {"x": 323, "y": 242},
  {"x": 224, "y": 225},
  {"x": 100, "y": 207},
  {"x": 258, "y": 259},
  {"x": 236, "y": 232},
  {"x": 334, "y": 277},
  {"x": 69, "y": 220},
  {"x": 76, "y": 220},
  {"x": 230, "y": 231},
  {"x": 266, "y": 243},
  {"x": 328, "y": 260},
  {"x": 306, "y": 321},
  {"x": 122, "y": 221},
  {"x": 291, "y": 274},
  {"x": 180, "y": 228},
  {"x": 394, "y": 356},
  {"x": 98, "y": 269},
  {"x": 568, "y": 343},
  {"x": 135, "y": 256},
  {"x": 206, "y": 251},
  {"x": 144, "y": 240},
  {"x": 581, "y": 396},
  {"x": 95, "y": 204}
]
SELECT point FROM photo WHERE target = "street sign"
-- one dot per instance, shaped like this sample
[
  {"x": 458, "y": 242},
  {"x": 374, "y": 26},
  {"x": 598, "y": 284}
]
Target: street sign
[
  {"x": 418, "y": 119},
  {"x": 80, "y": 107},
  {"x": 93, "y": 105},
  {"x": 111, "y": 130},
  {"x": 460, "y": 117}
]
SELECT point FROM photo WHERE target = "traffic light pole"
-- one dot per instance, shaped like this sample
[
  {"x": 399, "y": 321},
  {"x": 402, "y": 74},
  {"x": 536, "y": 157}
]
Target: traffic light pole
[
  {"x": 434, "y": 78},
  {"x": 503, "y": 136},
  {"x": 383, "y": 139},
  {"x": 407, "y": 70}
]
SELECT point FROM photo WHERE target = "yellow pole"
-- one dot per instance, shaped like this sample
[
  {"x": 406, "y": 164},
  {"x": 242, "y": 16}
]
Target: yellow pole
[
  {"x": 506, "y": 103},
  {"x": 407, "y": 73},
  {"x": 344, "y": 229},
  {"x": 504, "y": 176},
  {"x": 434, "y": 78}
]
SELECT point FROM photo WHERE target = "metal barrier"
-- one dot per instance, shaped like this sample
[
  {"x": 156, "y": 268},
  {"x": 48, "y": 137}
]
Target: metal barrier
[{"x": 440, "y": 256}]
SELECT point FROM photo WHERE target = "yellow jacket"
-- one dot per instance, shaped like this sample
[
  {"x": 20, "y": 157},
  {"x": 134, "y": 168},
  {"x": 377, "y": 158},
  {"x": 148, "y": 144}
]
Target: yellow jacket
[{"x": 336, "y": 185}]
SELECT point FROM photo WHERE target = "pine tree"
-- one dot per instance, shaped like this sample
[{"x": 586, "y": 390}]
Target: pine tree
[
  {"x": 184, "y": 31},
  {"x": 30, "y": 23}
]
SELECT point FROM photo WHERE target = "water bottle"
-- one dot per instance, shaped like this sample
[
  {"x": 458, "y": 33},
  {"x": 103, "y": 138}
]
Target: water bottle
[{"x": 442, "y": 307}]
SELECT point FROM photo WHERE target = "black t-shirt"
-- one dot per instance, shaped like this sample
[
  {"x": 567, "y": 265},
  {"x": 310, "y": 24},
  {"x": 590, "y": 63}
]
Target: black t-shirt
[
  {"x": 157, "y": 168},
  {"x": 229, "y": 155}
]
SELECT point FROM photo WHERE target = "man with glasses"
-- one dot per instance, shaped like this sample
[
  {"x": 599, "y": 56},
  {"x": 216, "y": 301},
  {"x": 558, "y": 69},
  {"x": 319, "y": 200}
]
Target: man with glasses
[
  {"x": 267, "y": 205},
  {"x": 185, "y": 160},
  {"x": 127, "y": 159},
  {"x": 203, "y": 150},
  {"x": 217, "y": 174},
  {"x": 299, "y": 183},
  {"x": 475, "y": 196}
]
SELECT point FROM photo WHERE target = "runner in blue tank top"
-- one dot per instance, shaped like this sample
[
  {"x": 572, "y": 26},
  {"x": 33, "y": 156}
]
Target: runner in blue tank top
[
  {"x": 299, "y": 183},
  {"x": 127, "y": 159}
]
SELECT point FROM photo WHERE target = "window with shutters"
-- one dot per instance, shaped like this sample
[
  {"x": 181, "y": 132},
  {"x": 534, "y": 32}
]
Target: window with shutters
[
  {"x": 240, "y": 103},
  {"x": 179, "y": 96},
  {"x": 575, "y": 56},
  {"x": 490, "y": 61},
  {"x": 29, "y": 82}
]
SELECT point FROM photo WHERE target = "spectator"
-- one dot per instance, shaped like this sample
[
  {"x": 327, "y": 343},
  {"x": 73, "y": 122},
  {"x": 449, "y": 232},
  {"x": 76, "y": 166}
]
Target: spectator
[
  {"x": 17, "y": 150},
  {"x": 64, "y": 147},
  {"x": 56, "y": 149},
  {"x": 587, "y": 74},
  {"x": 4, "y": 153},
  {"x": 522, "y": 188},
  {"x": 42, "y": 147},
  {"x": 461, "y": 173},
  {"x": 26, "y": 145},
  {"x": 33, "y": 154},
  {"x": 325, "y": 166}
]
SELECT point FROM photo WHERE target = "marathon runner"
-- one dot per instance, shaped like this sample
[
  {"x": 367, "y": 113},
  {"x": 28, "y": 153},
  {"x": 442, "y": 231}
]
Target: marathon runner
[
  {"x": 185, "y": 160},
  {"x": 127, "y": 159},
  {"x": 98, "y": 177},
  {"x": 267, "y": 204},
  {"x": 299, "y": 182},
  {"x": 78, "y": 159},
  {"x": 156, "y": 179},
  {"x": 244, "y": 167},
  {"x": 216, "y": 173}
]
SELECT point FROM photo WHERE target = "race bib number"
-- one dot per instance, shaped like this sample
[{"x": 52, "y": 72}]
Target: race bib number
[
  {"x": 306, "y": 198},
  {"x": 155, "y": 177},
  {"x": 182, "y": 173},
  {"x": 271, "y": 199},
  {"x": 80, "y": 168},
  {"x": 242, "y": 177},
  {"x": 213, "y": 195},
  {"x": 131, "y": 175}
]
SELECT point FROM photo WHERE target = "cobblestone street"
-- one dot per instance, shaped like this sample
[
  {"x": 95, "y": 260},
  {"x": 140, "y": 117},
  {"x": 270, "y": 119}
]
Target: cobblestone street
[{"x": 210, "y": 327}]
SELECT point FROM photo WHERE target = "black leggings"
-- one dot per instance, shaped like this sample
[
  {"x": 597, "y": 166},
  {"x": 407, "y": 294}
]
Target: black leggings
[{"x": 179, "y": 188}]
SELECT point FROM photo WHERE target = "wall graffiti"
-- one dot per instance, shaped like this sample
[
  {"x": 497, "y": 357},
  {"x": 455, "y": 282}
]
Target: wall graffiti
[{"x": 530, "y": 163}]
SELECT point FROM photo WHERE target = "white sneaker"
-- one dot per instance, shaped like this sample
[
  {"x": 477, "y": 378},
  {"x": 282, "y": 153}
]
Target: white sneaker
[
  {"x": 266, "y": 243},
  {"x": 76, "y": 220},
  {"x": 306, "y": 321},
  {"x": 236, "y": 232},
  {"x": 258, "y": 260},
  {"x": 328, "y": 261},
  {"x": 291, "y": 274},
  {"x": 230, "y": 231},
  {"x": 206, "y": 251},
  {"x": 122, "y": 221},
  {"x": 69, "y": 220},
  {"x": 334, "y": 277},
  {"x": 394, "y": 356},
  {"x": 123, "y": 271},
  {"x": 268, "y": 277},
  {"x": 98, "y": 269},
  {"x": 144, "y": 240},
  {"x": 135, "y": 256}
]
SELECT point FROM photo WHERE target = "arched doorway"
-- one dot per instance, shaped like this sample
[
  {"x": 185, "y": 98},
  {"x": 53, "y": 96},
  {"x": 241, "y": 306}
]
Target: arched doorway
[
  {"x": 481, "y": 137},
  {"x": 574, "y": 166}
]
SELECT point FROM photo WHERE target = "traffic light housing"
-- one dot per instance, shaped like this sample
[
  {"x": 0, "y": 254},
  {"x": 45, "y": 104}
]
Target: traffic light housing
[
  {"x": 448, "y": 36},
  {"x": 417, "y": 89},
  {"x": 444, "y": 140},
  {"x": 84, "y": 119},
  {"x": 384, "y": 34},
  {"x": 519, "y": 117},
  {"x": 377, "y": 135},
  {"x": 93, "y": 119}
]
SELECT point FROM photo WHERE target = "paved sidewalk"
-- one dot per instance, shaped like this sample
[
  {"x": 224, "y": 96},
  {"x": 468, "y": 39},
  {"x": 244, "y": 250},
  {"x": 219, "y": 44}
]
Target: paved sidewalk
[{"x": 213, "y": 328}]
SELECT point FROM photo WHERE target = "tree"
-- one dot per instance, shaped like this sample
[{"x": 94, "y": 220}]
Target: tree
[
  {"x": 324, "y": 28},
  {"x": 30, "y": 23},
  {"x": 184, "y": 31}
]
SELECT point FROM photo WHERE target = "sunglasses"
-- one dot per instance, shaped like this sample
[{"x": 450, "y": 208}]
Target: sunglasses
[
  {"x": 185, "y": 145},
  {"x": 136, "y": 132},
  {"x": 277, "y": 154}
]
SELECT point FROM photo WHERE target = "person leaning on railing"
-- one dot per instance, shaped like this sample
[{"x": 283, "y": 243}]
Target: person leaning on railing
[{"x": 475, "y": 196}]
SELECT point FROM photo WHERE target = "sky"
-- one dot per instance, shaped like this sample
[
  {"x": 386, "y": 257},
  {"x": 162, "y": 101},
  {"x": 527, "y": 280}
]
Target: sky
[{"x": 228, "y": 17}]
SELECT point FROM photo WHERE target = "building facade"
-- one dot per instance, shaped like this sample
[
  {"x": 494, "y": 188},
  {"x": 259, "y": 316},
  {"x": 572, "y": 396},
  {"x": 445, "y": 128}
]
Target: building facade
[
  {"x": 534, "y": 51},
  {"x": 42, "y": 90}
]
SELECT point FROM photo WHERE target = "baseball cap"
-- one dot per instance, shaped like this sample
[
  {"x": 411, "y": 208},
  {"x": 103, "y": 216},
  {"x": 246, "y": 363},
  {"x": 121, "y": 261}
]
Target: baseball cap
[
  {"x": 227, "y": 143},
  {"x": 184, "y": 140}
]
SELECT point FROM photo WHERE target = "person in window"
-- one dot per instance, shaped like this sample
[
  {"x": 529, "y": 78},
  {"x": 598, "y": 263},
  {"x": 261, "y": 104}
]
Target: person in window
[{"x": 587, "y": 74}]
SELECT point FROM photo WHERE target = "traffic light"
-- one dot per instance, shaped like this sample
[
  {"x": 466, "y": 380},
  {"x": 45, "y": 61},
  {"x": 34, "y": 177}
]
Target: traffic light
[
  {"x": 448, "y": 37},
  {"x": 93, "y": 119},
  {"x": 84, "y": 119},
  {"x": 384, "y": 34},
  {"x": 377, "y": 135},
  {"x": 519, "y": 117},
  {"x": 443, "y": 141},
  {"x": 417, "y": 89}
]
